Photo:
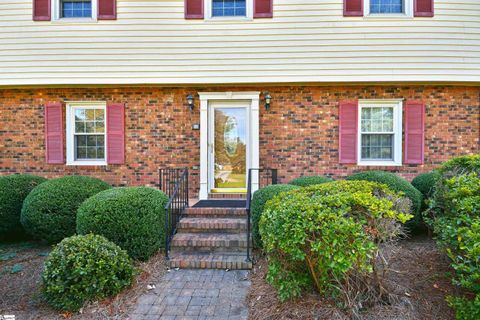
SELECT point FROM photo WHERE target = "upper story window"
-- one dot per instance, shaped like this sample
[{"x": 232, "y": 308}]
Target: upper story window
[
  {"x": 388, "y": 7},
  {"x": 229, "y": 8},
  {"x": 76, "y": 8}
]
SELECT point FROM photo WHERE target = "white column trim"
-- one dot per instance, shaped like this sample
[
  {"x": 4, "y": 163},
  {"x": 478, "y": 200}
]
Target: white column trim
[{"x": 205, "y": 97}]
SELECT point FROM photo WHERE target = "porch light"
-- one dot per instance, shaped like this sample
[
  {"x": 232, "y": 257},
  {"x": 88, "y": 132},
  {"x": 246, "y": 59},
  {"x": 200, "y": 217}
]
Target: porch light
[
  {"x": 190, "y": 102},
  {"x": 268, "y": 99}
]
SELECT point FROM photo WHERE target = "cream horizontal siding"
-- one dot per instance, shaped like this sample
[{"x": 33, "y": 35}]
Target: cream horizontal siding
[{"x": 306, "y": 41}]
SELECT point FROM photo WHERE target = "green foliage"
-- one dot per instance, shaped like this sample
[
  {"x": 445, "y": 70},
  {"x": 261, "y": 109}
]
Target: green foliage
[
  {"x": 306, "y": 181},
  {"x": 133, "y": 218},
  {"x": 321, "y": 235},
  {"x": 13, "y": 190},
  {"x": 455, "y": 219},
  {"x": 425, "y": 183},
  {"x": 85, "y": 268},
  {"x": 259, "y": 199},
  {"x": 398, "y": 184},
  {"x": 49, "y": 211}
]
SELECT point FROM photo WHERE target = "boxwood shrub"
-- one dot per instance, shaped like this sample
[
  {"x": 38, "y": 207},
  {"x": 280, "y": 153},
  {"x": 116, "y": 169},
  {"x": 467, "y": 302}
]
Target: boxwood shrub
[
  {"x": 49, "y": 211},
  {"x": 306, "y": 181},
  {"x": 398, "y": 184},
  {"x": 425, "y": 183},
  {"x": 85, "y": 268},
  {"x": 259, "y": 199},
  {"x": 13, "y": 190},
  {"x": 320, "y": 236},
  {"x": 131, "y": 217}
]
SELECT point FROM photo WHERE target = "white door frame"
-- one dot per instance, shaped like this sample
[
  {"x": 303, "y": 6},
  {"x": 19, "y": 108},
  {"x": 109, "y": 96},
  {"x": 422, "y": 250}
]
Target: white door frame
[{"x": 252, "y": 102}]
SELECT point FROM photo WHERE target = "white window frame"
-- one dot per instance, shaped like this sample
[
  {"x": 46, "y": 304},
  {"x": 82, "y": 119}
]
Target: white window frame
[
  {"x": 397, "y": 105},
  {"x": 407, "y": 11},
  {"x": 56, "y": 16},
  {"x": 70, "y": 130},
  {"x": 207, "y": 7}
]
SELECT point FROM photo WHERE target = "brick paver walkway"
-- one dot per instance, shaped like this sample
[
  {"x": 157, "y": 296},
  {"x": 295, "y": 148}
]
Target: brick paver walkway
[{"x": 196, "y": 294}]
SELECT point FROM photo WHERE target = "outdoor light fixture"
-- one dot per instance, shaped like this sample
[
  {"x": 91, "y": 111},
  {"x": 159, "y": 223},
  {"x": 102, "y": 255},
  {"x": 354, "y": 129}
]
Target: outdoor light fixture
[
  {"x": 190, "y": 102},
  {"x": 268, "y": 99}
]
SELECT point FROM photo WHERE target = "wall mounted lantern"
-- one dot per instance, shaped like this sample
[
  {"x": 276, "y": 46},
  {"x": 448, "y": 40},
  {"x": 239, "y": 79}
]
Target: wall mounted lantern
[
  {"x": 190, "y": 102},
  {"x": 268, "y": 99}
]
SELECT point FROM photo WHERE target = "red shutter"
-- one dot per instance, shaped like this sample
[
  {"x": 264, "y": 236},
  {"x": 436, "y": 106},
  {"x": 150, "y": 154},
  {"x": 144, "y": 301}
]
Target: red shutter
[
  {"x": 41, "y": 10},
  {"x": 54, "y": 132},
  {"x": 414, "y": 132},
  {"x": 262, "y": 8},
  {"x": 107, "y": 9},
  {"x": 193, "y": 9},
  {"x": 115, "y": 133},
  {"x": 348, "y": 115},
  {"x": 353, "y": 8},
  {"x": 423, "y": 8}
]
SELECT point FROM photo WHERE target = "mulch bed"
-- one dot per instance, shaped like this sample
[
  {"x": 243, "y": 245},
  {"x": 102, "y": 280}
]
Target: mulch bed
[
  {"x": 421, "y": 279},
  {"x": 21, "y": 265}
]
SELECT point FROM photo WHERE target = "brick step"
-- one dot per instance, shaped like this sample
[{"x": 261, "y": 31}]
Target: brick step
[
  {"x": 216, "y": 212},
  {"x": 230, "y": 196},
  {"x": 209, "y": 242},
  {"x": 225, "y": 225},
  {"x": 209, "y": 261}
]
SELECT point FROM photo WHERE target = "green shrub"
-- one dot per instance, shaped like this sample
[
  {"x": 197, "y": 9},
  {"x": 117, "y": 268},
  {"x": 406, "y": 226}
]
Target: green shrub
[
  {"x": 49, "y": 211},
  {"x": 455, "y": 219},
  {"x": 133, "y": 218},
  {"x": 398, "y": 184},
  {"x": 306, "y": 181},
  {"x": 85, "y": 268},
  {"x": 323, "y": 236},
  {"x": 425, "y": 183},
  {"x": 259, "y": 199},
  {"x": 13, "y": 190}
]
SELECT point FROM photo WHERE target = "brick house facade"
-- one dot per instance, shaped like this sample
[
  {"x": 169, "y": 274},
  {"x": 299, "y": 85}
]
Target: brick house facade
[{"x": 299, "y": 134}]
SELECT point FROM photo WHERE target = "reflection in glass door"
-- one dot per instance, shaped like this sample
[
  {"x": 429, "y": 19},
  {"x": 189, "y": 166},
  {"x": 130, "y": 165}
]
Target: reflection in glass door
[{"x": 230, "y": 148}]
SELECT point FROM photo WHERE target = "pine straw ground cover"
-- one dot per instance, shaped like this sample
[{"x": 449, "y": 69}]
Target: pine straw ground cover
[
  {"x": 420, "y": 280},
  {"x": 21, "y": 266}
]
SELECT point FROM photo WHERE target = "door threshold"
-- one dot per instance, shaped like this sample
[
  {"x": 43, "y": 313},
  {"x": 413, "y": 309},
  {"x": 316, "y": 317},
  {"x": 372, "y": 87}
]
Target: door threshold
[{"x": 229, "y": 190}]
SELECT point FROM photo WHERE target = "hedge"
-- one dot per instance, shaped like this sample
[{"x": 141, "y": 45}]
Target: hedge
[
  {"x": 306, "y": 181},
  {"x": 131, "y": 217},
  {"x": 49, "y": 211}
]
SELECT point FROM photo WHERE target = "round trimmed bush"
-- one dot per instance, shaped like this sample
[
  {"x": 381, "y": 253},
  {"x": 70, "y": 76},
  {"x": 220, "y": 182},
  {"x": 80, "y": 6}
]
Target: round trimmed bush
[
  {"x": 425, "y": 183},
  {"x": 85, "y": 268},
  {"x": 131, "y": 217},
  {"x": 49, "y": 211},
  {"x": 259, "y": 199},
  {"x": 13, "y": 190},
  {"x": 398, "y": 184},
  {"x": 306, "y": 181}
]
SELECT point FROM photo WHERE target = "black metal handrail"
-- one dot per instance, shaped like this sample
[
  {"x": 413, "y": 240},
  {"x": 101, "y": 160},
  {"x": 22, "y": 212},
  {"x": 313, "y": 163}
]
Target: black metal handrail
[
  {"x": 265, "y": 178},
  {"x": 174, "y": 182}
]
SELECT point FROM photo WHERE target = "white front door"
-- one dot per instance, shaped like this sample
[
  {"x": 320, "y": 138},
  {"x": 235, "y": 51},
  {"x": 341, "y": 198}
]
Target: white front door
[{"x": 229, "y": 145}]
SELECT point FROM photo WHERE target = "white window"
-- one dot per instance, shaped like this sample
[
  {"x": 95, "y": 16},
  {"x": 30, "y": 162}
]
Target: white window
[
  {"x": 384, "y": 8},
  {"x": 86, "y": 138},
  {"x": 83, "y": 10},
  {"x": 380, "y": 132},
  {"x": 229, "y": 9}
]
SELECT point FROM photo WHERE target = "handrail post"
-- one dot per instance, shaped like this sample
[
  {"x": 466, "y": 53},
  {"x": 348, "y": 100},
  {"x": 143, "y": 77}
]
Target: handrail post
[{"x": 249, "y": 191}]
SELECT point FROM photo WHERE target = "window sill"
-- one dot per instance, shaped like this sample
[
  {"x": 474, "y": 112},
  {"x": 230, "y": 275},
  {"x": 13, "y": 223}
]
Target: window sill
[
  {"x": 383, "y": 16},
  {"x": 228, "y": 19},
  {"x": 87, "y": 163},
  {"x": 75, "y": 20},
  {"x": 379, "y": 164}
]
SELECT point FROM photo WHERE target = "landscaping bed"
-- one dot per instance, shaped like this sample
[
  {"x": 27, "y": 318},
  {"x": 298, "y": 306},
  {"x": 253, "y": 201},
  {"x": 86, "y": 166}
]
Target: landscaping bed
[
  {"x": 21, "y": 265},
  {"x": 420, "y": 271}
]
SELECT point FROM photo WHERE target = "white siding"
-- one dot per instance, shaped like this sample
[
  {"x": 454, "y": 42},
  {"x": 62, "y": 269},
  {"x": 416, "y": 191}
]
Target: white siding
[{"x": 306, "y": 41}]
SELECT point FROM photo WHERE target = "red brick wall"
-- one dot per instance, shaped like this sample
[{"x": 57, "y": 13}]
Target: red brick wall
[{"x": 298, "y": 135}]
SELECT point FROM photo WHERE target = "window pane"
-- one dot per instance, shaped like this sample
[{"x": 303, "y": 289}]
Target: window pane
[
  {"x": 90, "y": 114},
  {"x": 79, "y": 127},
  {"x": 99, "y": 114},
  {"x": 386, "y": 6},
  {"x": 228, "y": 8},
  {"x": 79, "y": 114},
  {"x": 377, "y": 147},
  {"x": 99, "y": 127},
  {"x": 76, "y": 8},
  {"x": 89, "y": 147},
  {"x": 377, "y": 119},
  {"x": 90, "y": 127}
]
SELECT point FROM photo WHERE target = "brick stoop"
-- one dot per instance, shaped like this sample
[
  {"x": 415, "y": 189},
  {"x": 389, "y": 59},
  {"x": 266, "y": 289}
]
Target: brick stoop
[{"x": 211, "y": 238}]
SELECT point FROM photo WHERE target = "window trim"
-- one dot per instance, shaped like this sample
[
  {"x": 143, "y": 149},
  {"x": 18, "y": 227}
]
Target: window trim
[
  {"x": 56, "y": 13},
  {"x": 397, "y": 105},
  {"x": 207, "y": 7},
  {"x": 407, "y": 13},
  {"x": 70, "y": 125}
]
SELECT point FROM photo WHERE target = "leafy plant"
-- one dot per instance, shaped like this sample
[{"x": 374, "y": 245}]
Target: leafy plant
[
  {"x": 49, "y": 211},
  {"x": 259, "y": 199},
  {"x": 131, "y": 217},
  {"x": 306, "y": 181},
  {"x": 85, "y": 268},
  {"x": 327, "y": 236},
  {"x": 398, "y": 184},
  {"x": 13, "y": 190}
]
